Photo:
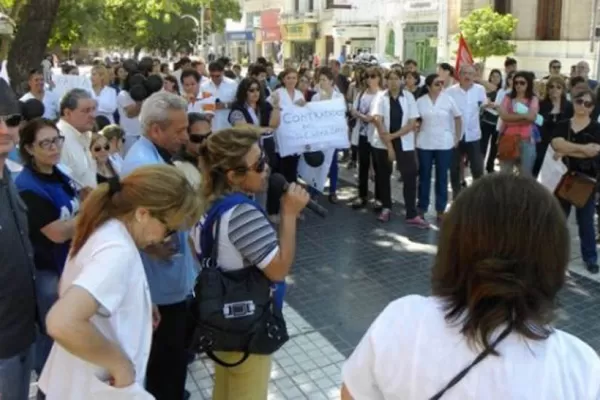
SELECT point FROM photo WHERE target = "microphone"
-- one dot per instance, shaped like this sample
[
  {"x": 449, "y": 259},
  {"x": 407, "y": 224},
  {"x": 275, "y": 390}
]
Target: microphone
[{"x": 278, "y": 183}]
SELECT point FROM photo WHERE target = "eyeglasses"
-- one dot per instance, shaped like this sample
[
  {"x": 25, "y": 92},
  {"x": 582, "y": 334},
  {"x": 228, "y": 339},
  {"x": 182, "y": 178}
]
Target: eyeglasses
[
  {"x": 520, "y": 83},
  {"x": 258, "y": 167},
  {"x": 57, "y": 141},
  {"x": 253, "y": 90},
  {"x": 97, "y": 149},
  {"x": 198, "y": 138},
  {"x": 168, "y": 231},
  {"x": 585, "y": 103},
  {"x": 12, "y": 120}
]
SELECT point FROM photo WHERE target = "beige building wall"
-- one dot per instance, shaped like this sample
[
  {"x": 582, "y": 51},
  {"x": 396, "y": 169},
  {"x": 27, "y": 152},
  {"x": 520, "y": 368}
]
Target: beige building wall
[{"x": 250, "y": 6}]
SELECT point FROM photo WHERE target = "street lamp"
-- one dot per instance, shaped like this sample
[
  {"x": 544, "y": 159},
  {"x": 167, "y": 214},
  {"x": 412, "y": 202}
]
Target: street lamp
[{"x": 199, "y": 30}]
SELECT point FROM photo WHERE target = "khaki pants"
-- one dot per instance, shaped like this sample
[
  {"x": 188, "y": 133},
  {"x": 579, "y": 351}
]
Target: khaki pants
[{"x": 247, "y": 381}]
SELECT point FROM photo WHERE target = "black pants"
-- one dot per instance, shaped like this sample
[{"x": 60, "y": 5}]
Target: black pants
[
  {"x": 473, "y": 152},
  {"x": 288, "y": 167},
  {"x": 540, "y": 153},
  {"x": 489, "y": 140},
  {"x": 354, "y": 153},
  {"x": 406, "y": 163},
  {"x": 167, "y": 366},
  {"x": 364, "y": 164},
  {"x": 383, "y": 173}
]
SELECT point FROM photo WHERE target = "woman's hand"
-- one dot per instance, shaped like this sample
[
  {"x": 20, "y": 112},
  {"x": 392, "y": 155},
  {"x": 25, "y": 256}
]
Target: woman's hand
[
  {"x": 275, "y": 100},
  {"x": 294, "y": 200},
  {"x": 155, "y": 317},
  {"x": 591, "y": 149}
]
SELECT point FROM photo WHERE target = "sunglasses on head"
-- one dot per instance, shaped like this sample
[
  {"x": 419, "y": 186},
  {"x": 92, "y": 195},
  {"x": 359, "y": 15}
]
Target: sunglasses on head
[
  {"x": 106, "y": 147},
  {"x": 198, "y": 138},
  {"x": 585, "y": 103},
  {"x": 12, "y": 120}
]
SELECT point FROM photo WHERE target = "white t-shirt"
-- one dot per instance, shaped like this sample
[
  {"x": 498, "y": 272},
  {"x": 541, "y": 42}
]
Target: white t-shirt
[
  {"x": 106, "y": 103},
  {"x": 131, "y": 126},
  {"x": 109, "y": 267},
  {"x": 438, "y": 129},
  {"x": 410, "y": 352}
]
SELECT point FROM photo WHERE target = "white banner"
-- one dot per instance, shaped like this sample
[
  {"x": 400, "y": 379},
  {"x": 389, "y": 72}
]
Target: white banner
[
  {"x": 316, "y": 177},
  {"x": 64, "y": 83},
  {"x": 316, "y": 126}
]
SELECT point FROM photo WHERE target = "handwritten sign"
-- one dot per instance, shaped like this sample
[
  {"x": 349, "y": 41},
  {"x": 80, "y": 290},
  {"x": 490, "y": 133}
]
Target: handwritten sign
[
  {"x": 64, "y": 83},
  {"x": 316, "y": 126}
]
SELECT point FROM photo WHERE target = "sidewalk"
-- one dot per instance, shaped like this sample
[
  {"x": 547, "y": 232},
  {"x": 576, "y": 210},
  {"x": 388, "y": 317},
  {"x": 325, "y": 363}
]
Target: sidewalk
[{"x": 576, "y": 264}]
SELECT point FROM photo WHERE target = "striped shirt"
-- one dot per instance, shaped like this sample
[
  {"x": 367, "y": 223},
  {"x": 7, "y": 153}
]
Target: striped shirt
[{"x": 246, "y": 238}]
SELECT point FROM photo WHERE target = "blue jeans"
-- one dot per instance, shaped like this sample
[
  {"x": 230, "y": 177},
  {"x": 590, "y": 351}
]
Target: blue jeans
[
  {"x": 525, "y": 162},
  {"x": 15, "y": 374},
  {"x": 46, "y": 287},
  {"x": 585, "y": 223},
  {"x": 442, "y": 160}
]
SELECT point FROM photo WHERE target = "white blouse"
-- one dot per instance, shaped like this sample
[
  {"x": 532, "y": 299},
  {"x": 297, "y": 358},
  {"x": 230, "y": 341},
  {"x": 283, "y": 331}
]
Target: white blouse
[
  {"x": 106, "y": 102},
  {"x": 110, "y": 269},
  {"x": 381, "y": 108},
  {"x": 437, "y": 122}
]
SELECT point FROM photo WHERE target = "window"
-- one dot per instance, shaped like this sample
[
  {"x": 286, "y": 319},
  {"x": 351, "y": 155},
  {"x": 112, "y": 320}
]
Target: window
[
  {"x": 549, "y": 18},
  {"x": 296, "y": 6},
  {"x": 502, "y": 6},
  {"x": 331, "y": 4},
  {"x": 311, "y": 5}
]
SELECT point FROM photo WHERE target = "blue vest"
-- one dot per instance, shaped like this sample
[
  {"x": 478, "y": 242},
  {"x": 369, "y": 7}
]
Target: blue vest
[{"x": 65, "y": 201}]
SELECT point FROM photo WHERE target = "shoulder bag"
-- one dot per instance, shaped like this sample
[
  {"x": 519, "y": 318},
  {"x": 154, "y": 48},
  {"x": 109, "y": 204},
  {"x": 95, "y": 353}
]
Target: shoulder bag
[
  {"x": 234, "y": 308},
  {"x": 575, "y": 187}
]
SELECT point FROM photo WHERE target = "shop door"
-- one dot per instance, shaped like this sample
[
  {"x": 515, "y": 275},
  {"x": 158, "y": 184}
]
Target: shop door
[{"x": 420, "y": 44}]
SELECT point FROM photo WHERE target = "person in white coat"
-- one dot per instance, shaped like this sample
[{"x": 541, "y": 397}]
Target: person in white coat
[
  {"x": 103, "y": 320},
  {"x": 395, "y": 112}
]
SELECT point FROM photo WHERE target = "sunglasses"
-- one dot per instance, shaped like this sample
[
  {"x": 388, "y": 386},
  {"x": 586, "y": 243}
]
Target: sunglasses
[
  {"x": 46, "y": 144},
  {"x": 520, "y": 83},
  {"x": 372, "y": 76},
  {"x": 198, "y": 138},
  {"x": 97, "y": 149},
  {"x": 253, "y": 90},
  {"x": 258, "y": 167},
  {"x": 585, "y": 103},
  {"x": 12, "y": 120}
]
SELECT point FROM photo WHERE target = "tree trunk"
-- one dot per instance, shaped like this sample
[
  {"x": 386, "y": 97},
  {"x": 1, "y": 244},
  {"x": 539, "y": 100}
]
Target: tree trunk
[
  {"x": 33, "y": 32},
  {"x": 136, "y": 52}
]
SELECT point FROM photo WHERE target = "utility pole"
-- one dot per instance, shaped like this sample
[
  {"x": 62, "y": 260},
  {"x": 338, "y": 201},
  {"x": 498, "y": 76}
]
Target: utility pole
[{"x": 202, "y": 44}]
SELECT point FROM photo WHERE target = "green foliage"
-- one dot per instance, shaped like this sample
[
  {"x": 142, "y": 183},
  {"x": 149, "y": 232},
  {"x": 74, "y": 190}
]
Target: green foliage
[
  {"x": 125, "y": 24},
  {"x": 488, "y": 33}
]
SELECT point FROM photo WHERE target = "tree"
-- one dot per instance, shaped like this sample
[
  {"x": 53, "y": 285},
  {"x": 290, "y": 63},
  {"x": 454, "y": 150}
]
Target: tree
[
  {"x": 35, "y": 21},
  {"x": 488, "y": 33}
]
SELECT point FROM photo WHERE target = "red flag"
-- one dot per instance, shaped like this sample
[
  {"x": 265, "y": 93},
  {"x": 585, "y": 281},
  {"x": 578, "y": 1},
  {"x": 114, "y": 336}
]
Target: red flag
[{"x": 463, "y": 55}]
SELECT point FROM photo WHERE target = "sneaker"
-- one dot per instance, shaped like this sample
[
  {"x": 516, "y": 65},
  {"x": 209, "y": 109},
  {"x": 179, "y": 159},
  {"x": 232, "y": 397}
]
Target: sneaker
[
  {"x": 592, "y": 267},
  {"x": 359, "y": 203},
  {"x": 384, "y": 215},
  {"x": 418, "y": 222},
  {"x": 377, "y": 206}
]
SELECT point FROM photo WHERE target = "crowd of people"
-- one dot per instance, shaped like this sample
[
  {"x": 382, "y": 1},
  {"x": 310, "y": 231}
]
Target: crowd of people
[{"x": 152, "y": 159}]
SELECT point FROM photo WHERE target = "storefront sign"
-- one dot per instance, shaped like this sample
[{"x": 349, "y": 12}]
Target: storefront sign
[
  {"x": 239, "y": 36},
  {"x": 421, "y": 5},
  {"x": 315, "y": 127},
  {"x": 270, "y": 25},
  {"x": 298, "y": 32}
]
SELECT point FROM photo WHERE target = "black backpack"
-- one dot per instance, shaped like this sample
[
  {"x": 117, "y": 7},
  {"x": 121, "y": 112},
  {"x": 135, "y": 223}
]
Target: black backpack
[{"x": 234, "y": 309}]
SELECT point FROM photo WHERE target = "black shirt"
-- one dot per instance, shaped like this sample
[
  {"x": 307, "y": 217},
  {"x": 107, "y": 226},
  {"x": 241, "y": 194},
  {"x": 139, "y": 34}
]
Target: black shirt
[
  {"x": 396, "y": 114},
  {"x": 17, "y": 296},
  {"x": 41, "y": 213},
  {"x": 552, "y": 119},
  {"x": 589, "y": 134}
]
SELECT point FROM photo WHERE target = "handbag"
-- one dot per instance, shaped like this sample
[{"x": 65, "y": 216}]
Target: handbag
[
  {"x": 509, "y": 147},
  {"x": 234, "y": 308},
  {"x": 458, "y": 377},
  {"x": 575, "y": 187}
]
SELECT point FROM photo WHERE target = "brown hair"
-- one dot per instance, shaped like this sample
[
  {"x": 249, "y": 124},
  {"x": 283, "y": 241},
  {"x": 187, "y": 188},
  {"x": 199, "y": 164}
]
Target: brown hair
[
  {"x": 375, "y": 71},
  {"x": 503, "y": 266},
  {"x": 112, "y": 131},
  {"x": 28, "y": 135},
  {"x": 162, "y": 189},
  {"x": 553, "y": 80},
  {"x": 224, "y": 152}
]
